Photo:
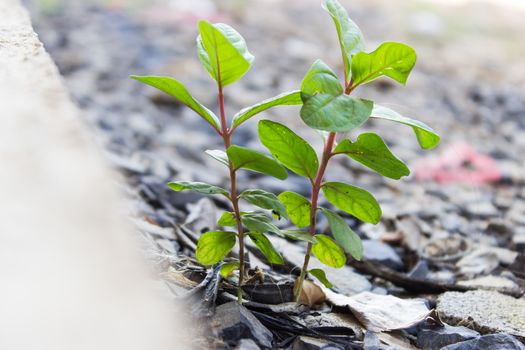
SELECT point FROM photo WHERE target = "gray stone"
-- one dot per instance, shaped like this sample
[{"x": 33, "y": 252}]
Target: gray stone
[
  {"x": 309, "y": 343},
  {"x": 382, "y": 253},
  {"x": 484, "y": 311},
  {"x": 481, "y": 210},
  {"x": 519, "y": 242},
  {"x": 420, "y": 271},
  {"x": 486, "y": 342},
  {"x": 371, "y": 341},
  {"x": 247, "y": 344},
  {"x": 438, "y": 337},
  {"x": 234, "y": 322}
]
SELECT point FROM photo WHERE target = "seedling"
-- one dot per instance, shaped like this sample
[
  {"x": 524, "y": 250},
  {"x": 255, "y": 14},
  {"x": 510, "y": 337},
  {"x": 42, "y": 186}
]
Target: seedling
[
  {"x": 328, "y": 108},
  {"x": 224, "y": 54}
]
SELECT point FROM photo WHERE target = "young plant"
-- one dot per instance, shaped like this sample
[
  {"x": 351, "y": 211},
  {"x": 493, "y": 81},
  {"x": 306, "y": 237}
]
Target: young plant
[
  {"x": 328, "y": 108},
  {"x": 224, "y": 54}
]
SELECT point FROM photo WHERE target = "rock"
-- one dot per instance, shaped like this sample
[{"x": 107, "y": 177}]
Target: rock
[
  {"x": 309, "y": 343},
  {"x": 519, "y": 242},
  {"x": 492, "y": 282},
  {"x": 437, "y": 337},
  {"x": 332, "y": 319},
  {"x": 247, "y": 344},
  {"x": 382, "y": 253},
  {"x": 478, "y": 261},
  {"x": 484, "y": 311},
  {"x": 481, "y": 210},
  {"x": 446, "y": 248},
  {"x": 491, "y": 341},
  {"x": 371, "y": 341},
  {"x": 234, "y": 322},
  {"x": 420, "y": 271}
]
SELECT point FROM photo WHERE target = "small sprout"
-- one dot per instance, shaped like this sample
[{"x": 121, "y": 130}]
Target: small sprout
[
  {"x": 224, "y": 54},
  {"x": 328, "y": 109}
]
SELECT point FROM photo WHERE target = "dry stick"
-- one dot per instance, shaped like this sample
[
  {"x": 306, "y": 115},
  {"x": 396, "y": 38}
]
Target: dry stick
[{"x": 226, "y": 136}]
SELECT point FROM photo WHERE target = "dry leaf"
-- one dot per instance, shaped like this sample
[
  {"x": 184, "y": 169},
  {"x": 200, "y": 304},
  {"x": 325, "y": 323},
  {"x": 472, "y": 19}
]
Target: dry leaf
[
  {"x": 311, "y": 294},
  {"x": 380, "y": 313}
]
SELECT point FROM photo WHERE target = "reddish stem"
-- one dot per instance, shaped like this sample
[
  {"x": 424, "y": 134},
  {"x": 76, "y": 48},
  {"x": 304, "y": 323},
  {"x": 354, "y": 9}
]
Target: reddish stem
[
  {"x": 226, "y": 136},
  {"x": 316, "y": 188}
]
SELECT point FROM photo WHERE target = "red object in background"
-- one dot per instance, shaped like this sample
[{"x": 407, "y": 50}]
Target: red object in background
[{"x": 459, "y": 163}]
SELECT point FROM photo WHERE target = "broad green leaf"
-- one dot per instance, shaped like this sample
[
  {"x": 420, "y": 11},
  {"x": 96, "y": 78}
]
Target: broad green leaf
[
  {"x": 218, "y": 155},
  {"x": 344, "y": 235},
  {"x": 371, "y": 151},
  {"x": 335, "y": 113},
  {"x": 299, "y": 235},
  {"x": 176, "y": 89},
  {"x": 328, "y": 252},
  {"x": 321, "y": 277},
  {"x": 223, "y": 52},
  {"x": 286, "y": 98},
  {"x": 426, "y": 136},
  {"x": 228, "y": 268},
  {"x": 242, "y": 157},
  {"x": 261, "y": 223},
  {"x": 320, "y": 79},
  {"x": 297, "y": 207},
  {"x": 351, "y": 39},
  {"x": 227, "y": 219},
  {"x": 199, "y": 187},
  {"x": 353, "y": 200},
  {"x": 288, "y": 148},
  {"x": 395, "y": 60},
  {"x": 213, "y": 246},
  {"x": 266, "y": 247},
  {"x": 265, "y": 200}
]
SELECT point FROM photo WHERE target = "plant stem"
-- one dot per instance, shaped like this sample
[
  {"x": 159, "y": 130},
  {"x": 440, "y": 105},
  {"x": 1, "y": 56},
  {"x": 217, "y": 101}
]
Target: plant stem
[
  {"x": 226, "y": 136},
  {"x": 316, "y": 188}
]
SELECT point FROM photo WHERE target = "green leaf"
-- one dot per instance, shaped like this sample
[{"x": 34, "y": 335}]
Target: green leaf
[
  {"x": 265, "y": 200},
  {"x": 297, "y": 207},
  {"x": 426, "y": 136},
  {"x": 242, "y": 157},
  {"x": 266, "y": 247},
  {"x": 176, "y": 89},
  {"x": 255, "y": 222},
  {"x": 328, "y": 252},
  {"x": 288, "y": 148},
  {"x": 299, "y": 235},
  {"x": 228, "y": 268},
  {"x": 353, "y": 200},
  {"x": 320, "y": 79},
  {"x": 213, "y": 246},
  {"x": 199, "y": 187},
  {"x": 351, "y": 39},
  {"x": 371, "y": 151},
  {"x": 343, "y": 234},
  {"x": 227, "y": 219},
  {"x": 335, "y": 113},
  {"x": 321, "y": 276},
  {"x": 395, "y": 60},
  {"x": 218, "y": 155},
  {"x": 286, "y": 98},
  {"x": 223, "y": 52}
]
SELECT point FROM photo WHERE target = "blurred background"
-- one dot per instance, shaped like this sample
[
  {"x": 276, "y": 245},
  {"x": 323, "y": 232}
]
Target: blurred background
[{"x": 468, "y": 84}]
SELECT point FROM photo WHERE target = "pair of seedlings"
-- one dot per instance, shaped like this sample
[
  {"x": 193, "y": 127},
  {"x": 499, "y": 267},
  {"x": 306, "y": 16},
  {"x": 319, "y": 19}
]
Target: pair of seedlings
[{"x": 326, "y": 106}]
